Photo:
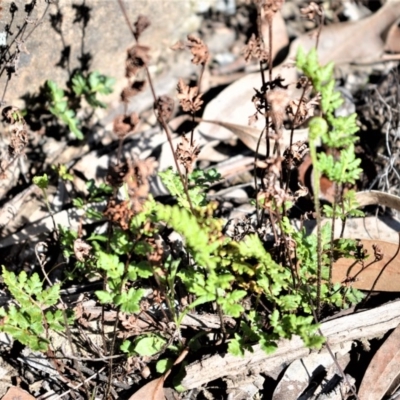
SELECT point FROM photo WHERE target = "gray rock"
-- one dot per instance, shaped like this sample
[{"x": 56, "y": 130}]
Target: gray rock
[{"x": 85, "y": 33}]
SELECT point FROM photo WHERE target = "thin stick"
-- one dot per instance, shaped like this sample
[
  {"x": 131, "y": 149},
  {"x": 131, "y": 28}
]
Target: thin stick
[{"x": 78, "y": 386}]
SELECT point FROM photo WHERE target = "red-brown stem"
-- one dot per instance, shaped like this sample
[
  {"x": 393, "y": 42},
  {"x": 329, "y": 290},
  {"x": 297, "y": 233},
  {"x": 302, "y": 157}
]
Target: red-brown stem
[
  {"x": 292, "y": 132},
  {"x": 160, "y": 118}
]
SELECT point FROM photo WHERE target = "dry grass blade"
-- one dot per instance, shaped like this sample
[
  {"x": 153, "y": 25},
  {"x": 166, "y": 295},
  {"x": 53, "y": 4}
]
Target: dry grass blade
[{"x": 383, "y": 373}]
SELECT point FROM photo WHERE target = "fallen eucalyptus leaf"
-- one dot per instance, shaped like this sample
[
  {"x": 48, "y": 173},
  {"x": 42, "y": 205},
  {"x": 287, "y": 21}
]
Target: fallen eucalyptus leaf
[
  {"x": 383, "y": 373},
  {"x": 373, "y": 197},
  {"x": 349, "y": 42},
  {"x": 374, "y": 274},
  {"x": 15, "y": 392},
  {"x": 392, "y": 43},
  {"x": 352, "y": 42},
  {"x": 250, "y": 135},
  {"x": 153, "y": 390}
]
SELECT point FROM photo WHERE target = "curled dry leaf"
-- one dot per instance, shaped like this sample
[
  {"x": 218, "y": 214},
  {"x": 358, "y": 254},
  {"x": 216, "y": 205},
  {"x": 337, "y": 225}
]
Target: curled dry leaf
[
  {"x": 119, "y": 212},
  {"x": 255, "y": 49},
  {"x": 189, "y": 97},
  {"x": 301, "y": 110},
  {"x": 164, "y": 107},
  {"x": 187, "y": 153},
  {"x": 125, "y": 124},
  {"x": 81, "y": 249},
  {"x": 198, "y": 49},
  {"x": 383, "y": 373},
  {"x": 137, "y": 57},
  {"x": 295, "y": 155},
  {"x": 141, "y": 24},
  {"x": 18, "y": 130},
  {"x": 132, "y": 90}
]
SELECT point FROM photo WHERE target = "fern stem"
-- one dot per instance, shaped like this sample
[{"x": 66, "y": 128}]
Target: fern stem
[{"x": 316, "y": 189}]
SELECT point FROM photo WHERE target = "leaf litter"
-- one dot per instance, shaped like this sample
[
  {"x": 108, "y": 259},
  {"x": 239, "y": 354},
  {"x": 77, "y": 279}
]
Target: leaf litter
[{"x": 337, "y": 43}]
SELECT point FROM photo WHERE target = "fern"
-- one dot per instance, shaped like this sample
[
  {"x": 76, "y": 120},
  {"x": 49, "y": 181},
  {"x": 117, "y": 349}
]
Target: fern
[{"x": 33, "y": 315}]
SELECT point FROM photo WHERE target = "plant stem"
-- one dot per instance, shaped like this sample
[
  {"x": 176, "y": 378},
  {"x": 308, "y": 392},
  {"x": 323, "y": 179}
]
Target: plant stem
[{"x": 316, "y": 189}]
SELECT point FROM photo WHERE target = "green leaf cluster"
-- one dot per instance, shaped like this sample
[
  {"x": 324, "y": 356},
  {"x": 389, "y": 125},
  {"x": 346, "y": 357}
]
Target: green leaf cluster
[
  {"x": 336, "y": 133},
  {"x": 118, "y": 275},
  {"x": 33, "y": 311},
  {"x": 60, "y": 109},
  {"x": 198, "y": 181},
  {"x": 227, "y": 272},
  {"x": 64, "y": 105},
  {"x": 92, "y": 85},
  {"x": 144, "y": 345},
  {"x": 41, "y": 182},
  {"x": 340, "y": 165},
  {"x": 306, "y": 255}
]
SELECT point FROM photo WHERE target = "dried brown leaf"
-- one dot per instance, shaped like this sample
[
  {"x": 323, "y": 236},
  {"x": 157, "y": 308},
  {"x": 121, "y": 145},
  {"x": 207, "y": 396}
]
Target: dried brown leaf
[
  {"x": 153, "y": 390},
  {"x": 381, "y": 274},
  {"x": 189, "y": 97},
  {"x": 392, "y": 42},
  {"x": 249, "y": 135},
  {"x": 81, "y": 249},
  {"x": 164, "y": 107},
  {"x": 137, "y": 57},
  {"x": 125, "y": 124},
  {"x": 255, "y": 49},
  {"x": 119, "y": 212},
  {"x": 187, "y": 153},
  {"x": 383, "y": 373},
  {"x": 198, "y": 49},
  {"x": 141, "y": 24},
  {"x": 17, "y": 393}
]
